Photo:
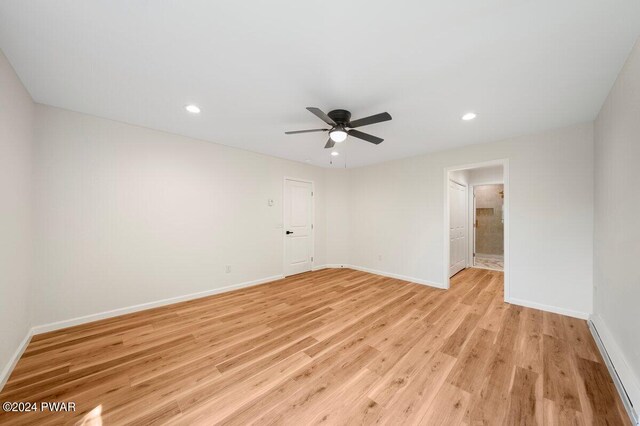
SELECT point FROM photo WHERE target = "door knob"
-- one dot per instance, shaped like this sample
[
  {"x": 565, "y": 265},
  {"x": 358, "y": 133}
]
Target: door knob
[{"x": 289, "y": 232}]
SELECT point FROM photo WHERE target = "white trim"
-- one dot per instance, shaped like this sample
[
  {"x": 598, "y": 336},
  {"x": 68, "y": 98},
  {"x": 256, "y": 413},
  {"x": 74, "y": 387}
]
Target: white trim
[
  {"x": 458, "y": 183},
  {"x": 626, "y": 383},
  {"x": 381, "y": 273},
  {"x": 313, "y": 221},
  {"x": 548, "y": 308},
  {"x": 489, "y": 182},
  {"x": 6, "y": 372},
  {"x": 505, "y": 177},
  {"x": 45, "y": 328},
  {"x": 331, "y": 266},
  {"x": 397, "y": 276}
]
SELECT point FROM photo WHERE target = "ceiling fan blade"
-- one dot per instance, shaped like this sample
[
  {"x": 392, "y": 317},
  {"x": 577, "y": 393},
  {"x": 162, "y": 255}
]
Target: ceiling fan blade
[
  {"x": 372, "y": 119},
  {"x": 330, "y": 144},
  {"x": 295, "y": 132},
  {"x": 321, "y": 115},
  {"x": 365, "y": 136}
]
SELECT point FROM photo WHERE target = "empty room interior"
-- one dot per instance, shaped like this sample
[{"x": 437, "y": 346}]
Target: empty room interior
[{"x": 234, "y": 213}]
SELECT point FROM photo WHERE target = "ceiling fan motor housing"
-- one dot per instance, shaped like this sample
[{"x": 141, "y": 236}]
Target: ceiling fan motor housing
[{"x": 340, "y": 116}]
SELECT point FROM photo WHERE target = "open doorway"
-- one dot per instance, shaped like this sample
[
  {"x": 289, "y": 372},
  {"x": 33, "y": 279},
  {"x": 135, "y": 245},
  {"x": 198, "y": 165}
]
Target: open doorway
[
  {"x": 488, "y": 226},
  {"x": 477, "y": 218}
]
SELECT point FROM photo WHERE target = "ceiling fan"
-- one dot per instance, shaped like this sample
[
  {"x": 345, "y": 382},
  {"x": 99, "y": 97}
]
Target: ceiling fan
[{"x": 342, "y": 126}]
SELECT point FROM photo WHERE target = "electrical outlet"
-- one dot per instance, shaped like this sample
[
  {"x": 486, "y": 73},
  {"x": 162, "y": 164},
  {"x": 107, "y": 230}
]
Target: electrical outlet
[{"x": 228, "y": 269}]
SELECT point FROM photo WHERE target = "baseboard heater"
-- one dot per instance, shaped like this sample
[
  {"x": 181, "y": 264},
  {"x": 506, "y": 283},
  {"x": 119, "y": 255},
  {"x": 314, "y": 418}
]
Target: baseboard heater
[{"x": 628, "y": 405}]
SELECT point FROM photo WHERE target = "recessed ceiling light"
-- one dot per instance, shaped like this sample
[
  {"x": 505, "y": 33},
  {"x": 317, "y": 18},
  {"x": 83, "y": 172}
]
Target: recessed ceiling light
[
  {"x": 335, "y": 153},
  {"x": 469, "y": 116},
  {"x": 194, "y": 109},
  {"x": 307, "y": 161}
]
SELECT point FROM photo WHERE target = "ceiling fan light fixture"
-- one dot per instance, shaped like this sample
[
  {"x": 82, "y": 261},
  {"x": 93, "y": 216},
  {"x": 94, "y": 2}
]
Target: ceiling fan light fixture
[
  {"x": 339, "y": 134},
  {"x": 339, "y": 120}
]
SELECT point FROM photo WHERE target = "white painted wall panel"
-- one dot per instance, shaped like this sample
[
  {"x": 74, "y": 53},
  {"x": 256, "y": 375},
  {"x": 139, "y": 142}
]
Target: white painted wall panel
[
  {"x": 617, "y": 229},
  {"x": 128, "y": 215},
  {"x": 16, "y": 124},
  {"x": 398, "y": 215}
]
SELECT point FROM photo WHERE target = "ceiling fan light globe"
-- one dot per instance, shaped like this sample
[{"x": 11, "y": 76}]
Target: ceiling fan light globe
[{"x": 338, "y": 135}]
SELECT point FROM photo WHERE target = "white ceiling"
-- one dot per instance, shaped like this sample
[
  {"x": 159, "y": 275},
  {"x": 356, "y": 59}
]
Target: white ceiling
[{"x": 253, "y": 66}]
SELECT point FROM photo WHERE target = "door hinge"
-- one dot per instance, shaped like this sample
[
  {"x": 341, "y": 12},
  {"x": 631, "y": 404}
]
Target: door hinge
[
  {"x": 312, "y": 193},
  {"x": 312, "y": 258},
  {"x": 312, "y": 226}
]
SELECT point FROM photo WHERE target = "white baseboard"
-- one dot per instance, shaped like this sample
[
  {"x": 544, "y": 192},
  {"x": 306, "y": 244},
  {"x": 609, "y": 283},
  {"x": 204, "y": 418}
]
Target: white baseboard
[
  {"x": 627, "y": 384},
  {"x": 392, "y": 275},
  {"x": 374, "y": 271},
  {"x": 526, "y": 303},
  {"x": 6, "y": 372},
  {"x": 332, "y": 266},
  {"x": 548, "y": 308},
  {"x": 45, "y": 328},
  {"x": 514, "y": 301}
]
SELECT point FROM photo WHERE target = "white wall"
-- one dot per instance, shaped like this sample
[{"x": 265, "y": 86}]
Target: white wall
[
  {"x": 338, "y": 226},
  {"x": 460, "y": 176},
  {"x": 617, "y": 228},
  {"x": 128, "y": 215},
  {"x": 485, "y": 175},
  {"x": 16, "y": 123},
  {"x": 398, "y": 216}
]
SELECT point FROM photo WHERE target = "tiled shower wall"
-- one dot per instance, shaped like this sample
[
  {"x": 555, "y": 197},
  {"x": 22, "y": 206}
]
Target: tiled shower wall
[{"x": 490, "y": 229}]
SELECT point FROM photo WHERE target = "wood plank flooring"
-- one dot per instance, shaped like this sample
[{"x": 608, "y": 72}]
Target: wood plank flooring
[{"x": 330, "y": 347}]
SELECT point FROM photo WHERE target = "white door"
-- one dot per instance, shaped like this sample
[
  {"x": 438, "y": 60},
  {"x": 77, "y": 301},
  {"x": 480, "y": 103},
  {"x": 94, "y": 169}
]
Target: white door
[
  {"x": 457, "y": 227},
  {"x": 298, "y": 226}
]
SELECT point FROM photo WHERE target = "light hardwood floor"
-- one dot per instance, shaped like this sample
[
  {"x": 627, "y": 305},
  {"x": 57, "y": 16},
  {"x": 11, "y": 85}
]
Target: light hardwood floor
[{"x": 326, "y": 347}]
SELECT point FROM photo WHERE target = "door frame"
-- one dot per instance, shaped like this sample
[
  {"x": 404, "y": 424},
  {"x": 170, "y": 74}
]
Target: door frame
[
  {"x": 504, "y": 162},
  {"x": 313, "y": 222}
]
